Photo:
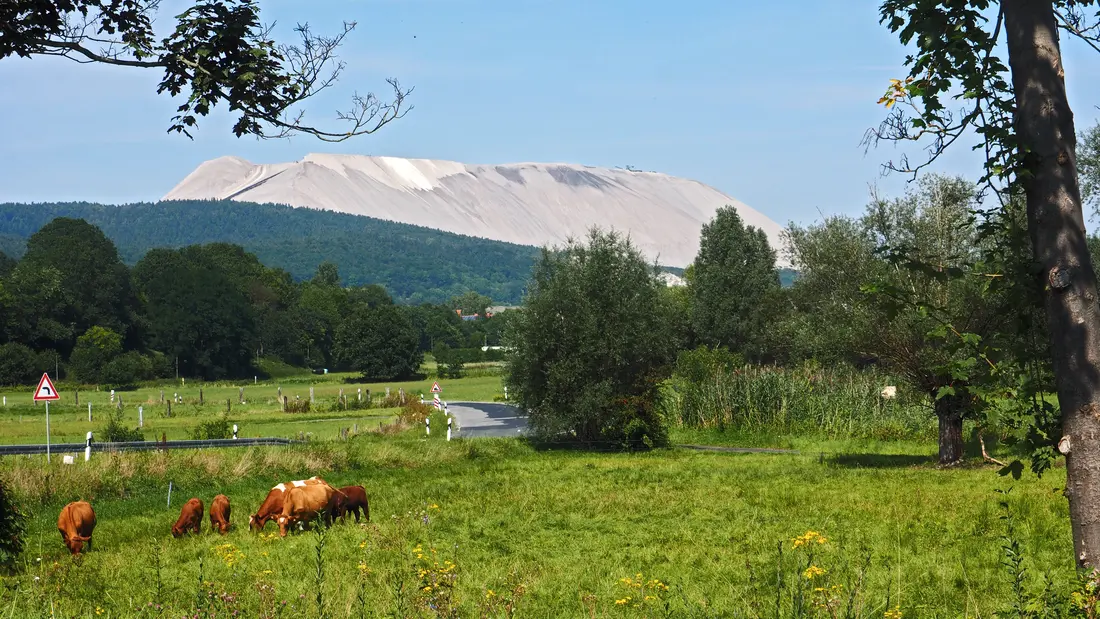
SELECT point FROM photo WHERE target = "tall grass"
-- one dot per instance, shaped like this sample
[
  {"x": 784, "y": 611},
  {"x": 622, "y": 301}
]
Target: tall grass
[{"x": 839, "y": 402}]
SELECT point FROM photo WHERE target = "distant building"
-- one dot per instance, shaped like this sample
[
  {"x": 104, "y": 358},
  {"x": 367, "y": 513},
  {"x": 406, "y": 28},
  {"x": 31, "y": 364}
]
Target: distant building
[{"x": 489, "y": 312}]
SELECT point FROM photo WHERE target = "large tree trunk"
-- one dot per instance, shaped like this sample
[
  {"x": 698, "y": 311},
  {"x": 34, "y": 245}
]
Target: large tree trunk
[
  {"x": 1044, "y": 127},
  {"x": 949, "y": 410}
]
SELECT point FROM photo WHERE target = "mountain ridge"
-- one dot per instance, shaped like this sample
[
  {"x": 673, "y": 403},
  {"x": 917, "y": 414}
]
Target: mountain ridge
[{"x": 526, "y": 203}]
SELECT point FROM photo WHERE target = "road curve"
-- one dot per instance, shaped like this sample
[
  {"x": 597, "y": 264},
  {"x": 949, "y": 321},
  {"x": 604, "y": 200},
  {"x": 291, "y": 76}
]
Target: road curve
[{"x": 486, "y": 419}]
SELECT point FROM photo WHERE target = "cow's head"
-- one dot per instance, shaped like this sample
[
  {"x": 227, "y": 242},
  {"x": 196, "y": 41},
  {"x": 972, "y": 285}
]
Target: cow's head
[{"x": 76, "y": 543}]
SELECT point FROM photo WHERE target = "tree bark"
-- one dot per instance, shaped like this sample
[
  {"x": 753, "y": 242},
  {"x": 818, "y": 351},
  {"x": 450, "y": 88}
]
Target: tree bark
[
  {"x": 949, "y": 410},
  {"x": 1044, "y": 128}
]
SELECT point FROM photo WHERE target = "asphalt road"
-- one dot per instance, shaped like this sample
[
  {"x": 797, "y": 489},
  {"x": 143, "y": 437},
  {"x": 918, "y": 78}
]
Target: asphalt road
[{"x": 483, "y": 419}]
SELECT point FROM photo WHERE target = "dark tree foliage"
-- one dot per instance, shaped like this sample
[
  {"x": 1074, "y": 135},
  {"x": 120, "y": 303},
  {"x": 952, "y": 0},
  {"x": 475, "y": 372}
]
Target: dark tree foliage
[
  {"x": 92, "y": 282},
  {"x": 218, "y": 53},
  {"x": 196, "y": 313},
  {"x": 379, "y": 342},
  {"x": 13, "y": 524},
  {"x": 7, "y": 264},
  {"x": 414, "y": 264},
  {"x": 591, "y": 344},
  {"x": 732, "y": 275}
]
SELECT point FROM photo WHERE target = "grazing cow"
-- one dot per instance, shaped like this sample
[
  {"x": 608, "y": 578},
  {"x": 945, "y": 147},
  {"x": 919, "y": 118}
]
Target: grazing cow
[
  {"x": 273, "y": 504},
  {"x": 190, "y": 518},
  {"x": 305, "y": 503},
  {"x": 352, "y": 498},
  {"x": 76, "y": 523},
  {"x": 219, "y": 514}
]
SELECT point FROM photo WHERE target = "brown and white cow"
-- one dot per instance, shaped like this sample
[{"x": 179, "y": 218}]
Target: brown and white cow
[
  {"x": 76, "y": 523},
  {"x": 303, "y": 504},
  {"x": 190, "y": 518},
  {"x": 352, "y": 499},
  {"x": 219, "y": 514},
  {"x": 273, "y": 503}
]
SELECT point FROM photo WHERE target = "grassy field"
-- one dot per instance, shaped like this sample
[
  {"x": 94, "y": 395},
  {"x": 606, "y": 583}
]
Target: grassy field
[
  {"x": 22, "y": 422},
  {"x": 570, "y": 526}
]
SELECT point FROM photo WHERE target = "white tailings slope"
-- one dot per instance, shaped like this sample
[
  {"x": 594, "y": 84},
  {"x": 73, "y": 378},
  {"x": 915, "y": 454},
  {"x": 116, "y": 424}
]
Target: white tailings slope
[{"x": 527, "y": 203}]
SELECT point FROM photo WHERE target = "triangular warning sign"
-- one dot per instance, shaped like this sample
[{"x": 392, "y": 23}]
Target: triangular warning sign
[
  {"x": 45, "y": 390},
  {"x": 436, "y": 388}
]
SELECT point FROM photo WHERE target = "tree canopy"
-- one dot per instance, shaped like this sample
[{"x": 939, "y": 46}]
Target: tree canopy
[
  {"x": 591, "y": 344},
  {"x": 217, "y": 52}
]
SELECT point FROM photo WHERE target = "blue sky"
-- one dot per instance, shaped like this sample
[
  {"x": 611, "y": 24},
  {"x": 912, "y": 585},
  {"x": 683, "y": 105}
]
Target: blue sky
[{"x": 767, "y": 101}]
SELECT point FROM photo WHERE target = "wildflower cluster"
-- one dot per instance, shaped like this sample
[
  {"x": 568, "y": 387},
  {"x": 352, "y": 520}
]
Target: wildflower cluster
[
  {"x": 809, "y": 538},
  {"x": 435, "y": 582},
  {"x": 229, "y": 554},
  {"x": 894, "y": 613},
  {"x": 642, "y": 593}
]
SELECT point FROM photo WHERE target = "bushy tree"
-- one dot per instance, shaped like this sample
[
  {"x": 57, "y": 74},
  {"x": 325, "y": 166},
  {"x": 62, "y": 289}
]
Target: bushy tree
[
  {"x": 196, "y": 314},
  {"x": 378, "y": 342},
  {"x": 71, "y": 279},
  {"x": 96, "y": 348},
  {"x": 17, "y": 364},
  {"x": 591, "y": 344},
  {"x": 900, "y": 326},
  {"x": 734, "y": 273}
]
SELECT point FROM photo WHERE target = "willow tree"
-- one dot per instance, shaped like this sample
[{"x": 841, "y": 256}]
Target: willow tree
[
  {"x": 1022, "y": 120},
  {"x": 216, "y": 52}
]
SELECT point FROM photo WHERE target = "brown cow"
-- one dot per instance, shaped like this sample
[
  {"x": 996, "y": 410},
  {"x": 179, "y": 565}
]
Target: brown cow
[
  {"x": 76, "y": 523},
  {"x": 352, "y": 498},
  {"x": 273, "y": 504},
  {"x": 219, "y": 514},
  {"x": 304, "y": 503},
  {"x": 190, "y": 518}
]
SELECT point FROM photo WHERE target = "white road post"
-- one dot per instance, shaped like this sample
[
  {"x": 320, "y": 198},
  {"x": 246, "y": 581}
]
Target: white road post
[
  {"x": 89, "y": 412},
  {"x": 141, "y": 417},
  {"x": 505, "y": 393},
  {"x": 428, "y": 425},
  {"x": 449, "y": 419},
  {"x": 234, "y": 431},
  {"x": 88, "y": 447},
  {"x": 47, "y": 431},
  {"x": 112, "y": 396}
]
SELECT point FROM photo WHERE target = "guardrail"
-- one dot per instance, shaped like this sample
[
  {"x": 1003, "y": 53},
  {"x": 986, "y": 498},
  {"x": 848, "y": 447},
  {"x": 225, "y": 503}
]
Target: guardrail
[{"x": 60, "y": 448}]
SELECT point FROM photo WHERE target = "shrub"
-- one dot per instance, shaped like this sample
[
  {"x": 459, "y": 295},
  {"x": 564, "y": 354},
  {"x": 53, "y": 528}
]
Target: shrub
[
  {"x": 591, "y": 343},
  {"x": 449, "y": 361},
  {"x": 297, "y": 406},
  {"x": 115, "y": 431},
  {"x": 394, "y": 400},
  {"x": 12, "y": 527},
  {"x": 212, "y": 429},
  {"x": 415, "y": 413}
]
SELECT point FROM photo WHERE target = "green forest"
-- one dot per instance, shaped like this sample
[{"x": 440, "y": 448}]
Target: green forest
[
  {"x": 71, "y": 305},
  {"x": 413, "y": 263}
]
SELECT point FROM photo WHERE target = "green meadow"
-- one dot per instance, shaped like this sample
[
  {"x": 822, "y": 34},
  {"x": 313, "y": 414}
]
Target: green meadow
[
  {"x": 468, "y": 527},
  {"x": 23, "y": 422}
]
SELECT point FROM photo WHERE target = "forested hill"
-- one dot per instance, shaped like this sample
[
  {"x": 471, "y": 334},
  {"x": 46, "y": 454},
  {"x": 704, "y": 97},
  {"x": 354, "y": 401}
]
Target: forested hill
[{"x": 415, "y": 264}]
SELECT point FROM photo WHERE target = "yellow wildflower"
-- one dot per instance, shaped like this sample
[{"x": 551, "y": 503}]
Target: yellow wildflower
[
  {"x": 98, "y": 610},
  {"x": 813, "y": 572},
  {"x": 893, "y": 614},
  {"x": 622, "y": 601}
]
